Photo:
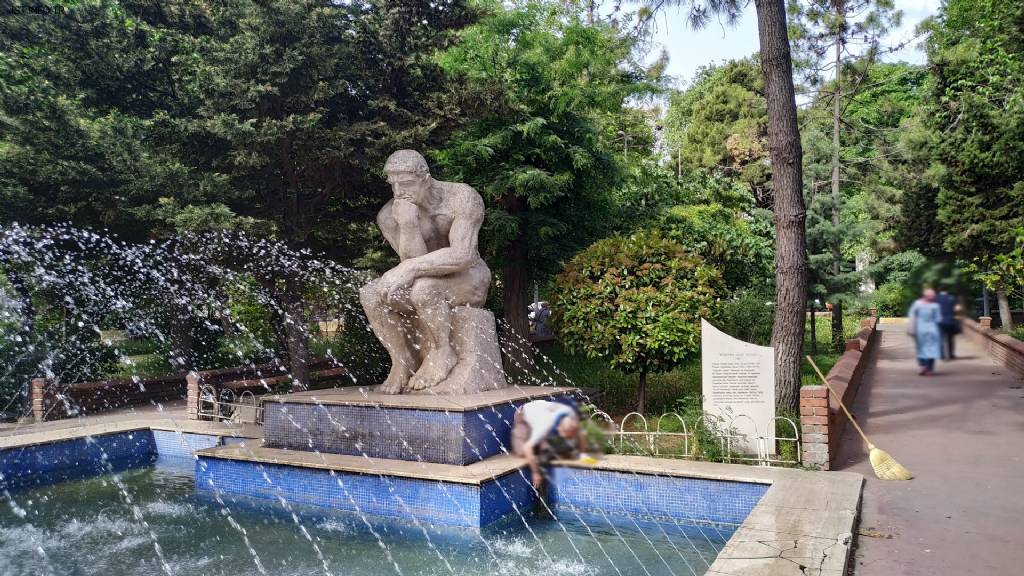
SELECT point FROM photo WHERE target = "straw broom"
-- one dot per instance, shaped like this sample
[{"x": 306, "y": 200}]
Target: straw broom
[{"x": 884, "y": 465}]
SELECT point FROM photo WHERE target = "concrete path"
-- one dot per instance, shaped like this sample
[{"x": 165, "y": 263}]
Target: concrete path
[{"x": 962, "y": 434}]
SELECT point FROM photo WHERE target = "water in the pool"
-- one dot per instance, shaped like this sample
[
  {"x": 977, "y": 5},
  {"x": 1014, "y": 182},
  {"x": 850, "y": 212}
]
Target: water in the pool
[{"x": 150, "y": 521}]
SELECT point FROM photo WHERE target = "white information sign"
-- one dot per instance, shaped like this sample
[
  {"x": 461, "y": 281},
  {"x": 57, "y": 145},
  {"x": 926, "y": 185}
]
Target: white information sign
[{"x": 739, "y": 380}]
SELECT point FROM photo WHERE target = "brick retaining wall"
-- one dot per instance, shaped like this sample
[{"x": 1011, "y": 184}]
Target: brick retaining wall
[
  {"x": 1004, "y": 349},
  {"x": 821, "y": 419},
  {"x": 261, "y": 379},
  {"x": 55, "y": 401}
]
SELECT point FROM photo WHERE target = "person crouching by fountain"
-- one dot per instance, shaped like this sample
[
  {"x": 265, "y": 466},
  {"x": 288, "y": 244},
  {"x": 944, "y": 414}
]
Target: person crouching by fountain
[
  {"x": 543, "y": 431},
  {"x": 923, "y": 326}
]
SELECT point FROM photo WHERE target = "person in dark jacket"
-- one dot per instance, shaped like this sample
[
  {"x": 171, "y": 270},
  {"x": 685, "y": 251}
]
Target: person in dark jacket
[{"x": 949, "y": 325}]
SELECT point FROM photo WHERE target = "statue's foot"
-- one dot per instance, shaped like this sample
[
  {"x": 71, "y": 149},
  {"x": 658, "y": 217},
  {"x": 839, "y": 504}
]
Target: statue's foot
[
  {"x": 397, "y": 379},
  {"x": 435, "y": 368}
]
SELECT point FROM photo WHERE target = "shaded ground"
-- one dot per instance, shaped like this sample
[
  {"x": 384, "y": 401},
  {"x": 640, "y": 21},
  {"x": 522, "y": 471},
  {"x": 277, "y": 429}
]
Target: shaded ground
[{"x": 962, "y": 434}]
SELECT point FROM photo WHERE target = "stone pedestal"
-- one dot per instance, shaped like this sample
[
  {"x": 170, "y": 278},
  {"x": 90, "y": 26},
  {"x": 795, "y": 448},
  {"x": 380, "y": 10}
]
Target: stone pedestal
[
  {"x": 444, "y": 429},
  {"x": 475, "y": 338}
]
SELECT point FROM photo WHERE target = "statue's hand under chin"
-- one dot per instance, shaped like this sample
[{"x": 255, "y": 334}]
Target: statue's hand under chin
[{"x": 405, "y": 212}]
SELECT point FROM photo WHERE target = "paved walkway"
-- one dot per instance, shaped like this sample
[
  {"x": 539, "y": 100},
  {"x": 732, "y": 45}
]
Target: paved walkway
[{"x": 962, "y": 434}]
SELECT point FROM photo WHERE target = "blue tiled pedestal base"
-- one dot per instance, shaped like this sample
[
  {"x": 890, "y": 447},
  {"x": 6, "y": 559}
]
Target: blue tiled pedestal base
[
  {"x": 465, "y": 504},
  {"x": 440, "y": 429}
]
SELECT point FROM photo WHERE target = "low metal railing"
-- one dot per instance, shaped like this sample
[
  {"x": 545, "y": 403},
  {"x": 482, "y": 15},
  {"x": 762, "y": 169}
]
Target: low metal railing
[
  {"x": 226, "y": 406},
  {"x": 633, "y": 435}
]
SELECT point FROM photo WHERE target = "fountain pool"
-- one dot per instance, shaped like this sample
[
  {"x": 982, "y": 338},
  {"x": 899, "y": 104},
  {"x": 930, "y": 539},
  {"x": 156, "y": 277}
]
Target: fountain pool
[
  {"x": 108, "y": 498},
  {"x": 89, "y": 527}
]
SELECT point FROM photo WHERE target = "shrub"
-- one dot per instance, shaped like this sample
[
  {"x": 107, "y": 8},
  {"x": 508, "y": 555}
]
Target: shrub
[
  {"x": 893, "y": 298},
  {"x": 635, "y": 301},
  {"x": 357, "y": 349},
  {"x": 725, "y": 240},
  {"x": 749, "y": 316}
]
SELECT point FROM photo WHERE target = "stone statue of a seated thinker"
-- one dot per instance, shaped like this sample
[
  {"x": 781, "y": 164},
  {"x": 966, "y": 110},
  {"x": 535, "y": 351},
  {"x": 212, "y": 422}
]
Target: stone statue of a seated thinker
[{"x": 427, "y": 309}]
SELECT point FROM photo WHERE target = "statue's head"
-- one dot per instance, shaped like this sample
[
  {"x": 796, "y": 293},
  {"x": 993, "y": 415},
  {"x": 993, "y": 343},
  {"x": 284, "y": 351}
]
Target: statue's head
[{"x": 408, "y": 174}]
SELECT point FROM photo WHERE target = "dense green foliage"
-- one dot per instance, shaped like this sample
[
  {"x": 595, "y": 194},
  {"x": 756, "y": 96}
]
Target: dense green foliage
[
  {"x": 719, "y": 125},
  {"x": 973, "y": 135},
  {"x": 739, "y": 247},
  {"x": 976, "y": 110},
  {"x": 636, "y": 301},
  {"x": 282, "y": 111},
  {"x": 541, "y": 153}
]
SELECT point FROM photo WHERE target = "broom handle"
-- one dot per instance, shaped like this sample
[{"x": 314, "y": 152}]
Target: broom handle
[{"x": 841, "y": 405}]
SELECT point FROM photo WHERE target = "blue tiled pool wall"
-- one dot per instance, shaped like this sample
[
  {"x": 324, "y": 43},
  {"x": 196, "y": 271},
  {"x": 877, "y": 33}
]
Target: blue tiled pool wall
[
  {"x": 458, "y": 438},
  {"x": 52, "y": 462},
  {"x": 429, "y": 501},
  {"x": 647, "y": 497},
  {"x": 182, "y": 444}
]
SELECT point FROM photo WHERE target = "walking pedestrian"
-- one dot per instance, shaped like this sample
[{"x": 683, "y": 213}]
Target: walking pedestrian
[
  {"x": 949, "y": 325},
  {"x": 923, "y": 326}
]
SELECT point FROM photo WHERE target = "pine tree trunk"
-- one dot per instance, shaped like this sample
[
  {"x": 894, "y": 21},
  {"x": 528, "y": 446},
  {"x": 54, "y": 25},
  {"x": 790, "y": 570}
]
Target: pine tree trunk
[
  {"x": 182, "y": 340},
  {"x": 296, "y": 337},
  {"x": 838, "y": 340},
  {"x": 1005, "y": 318},
  {"x": 27, "y": 325},
  {"x": 837, "y": 199},
  {"x": 641, "y": 396},
  {"x": 790, "y": 214},
  {"x": 516, "y": 297}
]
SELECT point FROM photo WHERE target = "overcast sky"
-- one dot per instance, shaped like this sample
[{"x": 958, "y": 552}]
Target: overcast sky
[{"x": 688, "y": 50}]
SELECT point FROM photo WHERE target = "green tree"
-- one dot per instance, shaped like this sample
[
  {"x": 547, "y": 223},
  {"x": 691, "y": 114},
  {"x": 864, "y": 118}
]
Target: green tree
[
  {"x": 720, "y": 124},
  {"x": 543, "y": 155},
  {"x": 975, "y": 110},
  {"x": 282, "y": 111},
  {"x": 635, "y": 301},
  {"x": 787, "y": 181},
  {"x": 841, "y": 37},
  {"x": 740, "y": 248}
]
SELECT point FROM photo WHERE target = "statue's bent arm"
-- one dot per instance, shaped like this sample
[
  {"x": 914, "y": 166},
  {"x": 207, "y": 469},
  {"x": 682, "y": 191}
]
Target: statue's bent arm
[{"x": 461, "y": 252}]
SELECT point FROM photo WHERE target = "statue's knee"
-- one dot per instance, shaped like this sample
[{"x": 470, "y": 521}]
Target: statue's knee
[
  {"x": 423, "y": 292},
  {"x": 369, "y": 295}
]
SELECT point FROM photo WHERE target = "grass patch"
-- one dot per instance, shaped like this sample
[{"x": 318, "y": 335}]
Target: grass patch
[
  {"x": 142, "y": 365},
  {"x": 827, "y": 356},
  {"x": 136, "y": 347}
]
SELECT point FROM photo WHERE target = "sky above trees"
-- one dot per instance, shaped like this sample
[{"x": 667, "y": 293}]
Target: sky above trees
[{"x": 690, "y": 49}]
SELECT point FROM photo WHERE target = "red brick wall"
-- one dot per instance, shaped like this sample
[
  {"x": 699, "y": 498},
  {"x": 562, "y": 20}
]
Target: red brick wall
[
  {"x": 1004, "y": 349},
  {"x": 56, "y": 401},
  {"x": 821, "y": 419},
  {"x": 324, "y": 373}
]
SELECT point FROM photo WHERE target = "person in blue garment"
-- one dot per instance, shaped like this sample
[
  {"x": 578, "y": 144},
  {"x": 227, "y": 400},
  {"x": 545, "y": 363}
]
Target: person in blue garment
[{"x": 923, "y": 320}]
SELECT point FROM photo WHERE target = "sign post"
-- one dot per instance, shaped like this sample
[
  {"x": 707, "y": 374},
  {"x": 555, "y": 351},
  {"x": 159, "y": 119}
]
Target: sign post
[{"x": 739, "y": 380}]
